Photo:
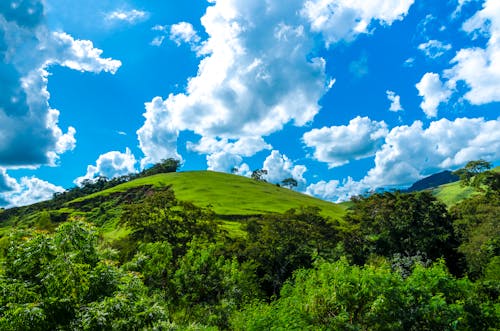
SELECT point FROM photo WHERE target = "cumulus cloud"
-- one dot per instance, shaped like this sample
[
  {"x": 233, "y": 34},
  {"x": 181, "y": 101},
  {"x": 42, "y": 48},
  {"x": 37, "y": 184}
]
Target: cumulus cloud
[
  {"x": 111, "y": 164},
  {"x": 29, "y": 131},
  {"x": 395, "y": 101},
  {"x": 337, "y": 145},
  {"x": 434, "y": 93},
  {"x": 28, "y": 191},
  {"x": 129, "y": 16},
  {"x": 337, "y": 191},
  {"x": 345, "y": 19},
  {"x": 184, "y": 32},
  {"x": 478, "y": 67},
  {"x": 412, "y": 152},
  {"x": 255, "y": 75},
  {"x": 280, "y": 167},
  {"x": 434, "y": 48},
  {"x": 224, "y": 155},
  {"x": 257, "y": 69}
]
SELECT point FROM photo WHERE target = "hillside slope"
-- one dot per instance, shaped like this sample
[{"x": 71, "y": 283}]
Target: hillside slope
[{"x": 227, "y": 195}]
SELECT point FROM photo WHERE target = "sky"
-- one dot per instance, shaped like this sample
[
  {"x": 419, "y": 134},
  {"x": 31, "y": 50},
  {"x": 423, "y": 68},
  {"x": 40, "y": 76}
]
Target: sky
[{"x": 345, "y": 96}]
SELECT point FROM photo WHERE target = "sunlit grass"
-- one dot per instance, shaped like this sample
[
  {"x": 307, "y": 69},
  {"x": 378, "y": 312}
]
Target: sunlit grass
[{"x": 228, "y": 194}]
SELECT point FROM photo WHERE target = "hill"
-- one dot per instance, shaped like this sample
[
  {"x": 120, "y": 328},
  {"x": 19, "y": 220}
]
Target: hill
[
  {"x": 226, "y": 194},
  {"x": 433, "y": 181},
  {"x": 232, "y": 198}
]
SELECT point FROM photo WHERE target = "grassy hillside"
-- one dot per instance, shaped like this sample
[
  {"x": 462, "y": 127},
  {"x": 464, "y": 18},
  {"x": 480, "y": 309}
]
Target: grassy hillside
[
  {"x": 228, "y": 195},
  {"x": 453, "y": 193}
]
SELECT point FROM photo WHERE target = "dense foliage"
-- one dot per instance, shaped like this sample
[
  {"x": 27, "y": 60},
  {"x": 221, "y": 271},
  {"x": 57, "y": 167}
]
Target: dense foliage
[{"x": 396, "y": 261}]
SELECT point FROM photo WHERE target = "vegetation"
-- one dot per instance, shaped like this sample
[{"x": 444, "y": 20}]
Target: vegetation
[{"x": 154, "y": 253}]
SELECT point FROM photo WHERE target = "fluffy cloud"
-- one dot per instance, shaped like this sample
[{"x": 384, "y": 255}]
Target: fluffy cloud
[
  {"x": 28, "y": 191},
  {"x": 255, "y": 75},
  {"x": 434, "y": 93},
  {"x": 184, "y": 32},
  {"x": 257, "y": 71},
  {"x": 29, "y": 132},
  {"x": 480, "y": 68},
  {"x": 111, "y": 164},
  {"x": 434, "y": 48},
  {"x": 337, "y": 145},
  {"x": 224, "y": 161},
  {"x": 337, "y": 191},
  {"x": 224, "y": 155},
  {"x": 345, "y": 19},
  {"x": 280, "y": 167},
  {"x": 411, "y": 152},
  {"x": 130, "y": 16},
  {"x": 395, "y": 101}
]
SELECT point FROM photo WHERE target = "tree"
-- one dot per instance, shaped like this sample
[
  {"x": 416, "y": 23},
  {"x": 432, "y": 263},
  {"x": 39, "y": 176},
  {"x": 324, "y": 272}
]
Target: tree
[
  {"x": 409, "y": 225},
  {"x": 338, "y": 296},
  {"x": 259, "y": 175},
  {"x": 289, "y": 182},
  {"x": 476, "y": 223},
  {"x": 283, "y": 243},
  {"x": 470, "y": 174},
  {"x": 164, "y": 166},
  {"x": 60, "y": 281},
  {"x": 161, "y": 217}
]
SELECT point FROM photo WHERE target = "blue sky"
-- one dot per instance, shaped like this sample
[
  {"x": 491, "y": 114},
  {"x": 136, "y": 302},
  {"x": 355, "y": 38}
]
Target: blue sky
[{"x": 346, "y": 96}]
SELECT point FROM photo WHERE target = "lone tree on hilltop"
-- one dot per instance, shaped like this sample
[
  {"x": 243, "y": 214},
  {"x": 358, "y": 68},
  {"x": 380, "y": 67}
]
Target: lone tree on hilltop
[
  {"x": 289, "y": 182},
  {"x": 259, "y": 175}
]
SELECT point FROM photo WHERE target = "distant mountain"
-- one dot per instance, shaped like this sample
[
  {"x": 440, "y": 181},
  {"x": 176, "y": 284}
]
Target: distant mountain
[{"x": 433, "y": 181}]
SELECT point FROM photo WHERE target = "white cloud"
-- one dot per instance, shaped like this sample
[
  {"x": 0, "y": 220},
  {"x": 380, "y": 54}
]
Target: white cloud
[
  {"x": 412, "y": 152},
  {"x": 280, "y": 167},
  {"x": 255, "y": 75},
  {"x": 345, "y": 19},
  {"x": 28, "y": 191},
  {"x": 337, "y": 145},
  {"x": 409, "y": 62},
  {"x": 337, "y": 191},
  {"x": 78, "y": 55},
  {"x": 434, "y": 48},
  {"x": 111, "y": 164},
  {"x": 223, "y": 161},
  {"x": 29, "y": 131},
  {"x": 480, "y": 68},
  {"x": 434, "y": 93},
  {"x": 395, "y": 101},
  {"x": 224, "y": 155},
  {"x": 158, "y": 136},
  {"x": 157, "y": 41},
  {"x": 130, "y": 16},
  {"x": 246, "y": 146},
  {"x": 184, "y": 32}
]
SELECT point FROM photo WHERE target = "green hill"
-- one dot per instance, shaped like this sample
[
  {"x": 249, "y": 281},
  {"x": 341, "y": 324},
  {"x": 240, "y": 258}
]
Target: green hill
[
  {"x": 227, "y": 195},
  {"x": 231, "y": 197},
  {"x": 453, "y": 193}
]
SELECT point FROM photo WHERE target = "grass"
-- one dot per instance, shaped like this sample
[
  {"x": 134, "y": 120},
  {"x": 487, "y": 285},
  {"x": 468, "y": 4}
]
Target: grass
[
  {"x": 452, "y": 193},
  {"x": 228, "y": 194}
]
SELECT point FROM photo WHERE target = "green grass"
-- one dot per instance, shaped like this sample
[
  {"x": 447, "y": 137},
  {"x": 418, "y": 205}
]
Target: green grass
[
  {"x": 228, "y": 194},
  {"x": 452, "y": 193}
]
